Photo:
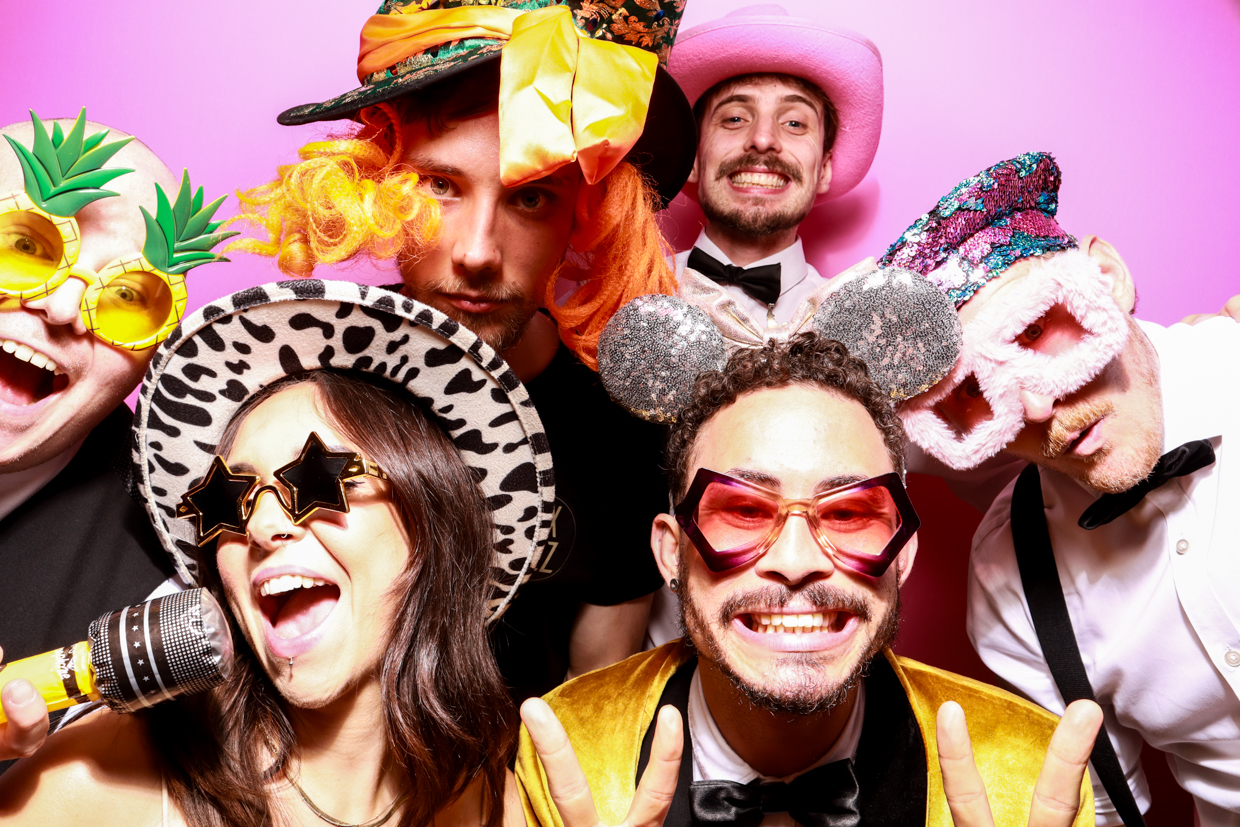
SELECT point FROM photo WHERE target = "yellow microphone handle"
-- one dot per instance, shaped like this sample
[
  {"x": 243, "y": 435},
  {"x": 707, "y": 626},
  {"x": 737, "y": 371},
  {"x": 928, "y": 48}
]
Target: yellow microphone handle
[{"x": 64, "y": 677}]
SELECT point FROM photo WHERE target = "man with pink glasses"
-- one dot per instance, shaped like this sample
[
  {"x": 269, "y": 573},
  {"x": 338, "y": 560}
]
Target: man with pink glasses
[
  {"x": 786, "y": 551},
  {"x": 1109, "y": 568}
]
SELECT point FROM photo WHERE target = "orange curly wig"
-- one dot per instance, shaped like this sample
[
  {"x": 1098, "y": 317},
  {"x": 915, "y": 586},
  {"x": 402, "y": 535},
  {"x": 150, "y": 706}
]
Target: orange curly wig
[{"x": 353, "y": 196}]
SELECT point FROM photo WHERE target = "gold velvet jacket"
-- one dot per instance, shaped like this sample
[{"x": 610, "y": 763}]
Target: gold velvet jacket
[{"x": 608, "y": 714}]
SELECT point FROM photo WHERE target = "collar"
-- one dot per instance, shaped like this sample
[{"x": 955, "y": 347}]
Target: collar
[
  {"x": 890, "y": 761},
  {"x": 791, "y": 260},
  {"x": 714, "y": 758}
]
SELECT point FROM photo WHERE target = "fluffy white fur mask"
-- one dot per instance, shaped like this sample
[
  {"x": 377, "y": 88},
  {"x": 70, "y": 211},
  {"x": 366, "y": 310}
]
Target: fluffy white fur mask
[{"x": 1019, "y": 342}]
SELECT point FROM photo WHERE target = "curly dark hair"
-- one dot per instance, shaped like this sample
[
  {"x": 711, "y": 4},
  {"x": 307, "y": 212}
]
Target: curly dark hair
[{"x": 805, "y": 359}]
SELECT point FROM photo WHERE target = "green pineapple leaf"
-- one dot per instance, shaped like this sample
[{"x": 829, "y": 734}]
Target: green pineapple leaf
[
  {"x": 181, "y": 234},
  {"x": 63, "y": 173}
]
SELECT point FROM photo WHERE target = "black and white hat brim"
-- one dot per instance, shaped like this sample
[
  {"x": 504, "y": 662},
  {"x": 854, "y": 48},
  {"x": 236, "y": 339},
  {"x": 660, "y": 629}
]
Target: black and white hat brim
[{"x": 231, "y": 348}]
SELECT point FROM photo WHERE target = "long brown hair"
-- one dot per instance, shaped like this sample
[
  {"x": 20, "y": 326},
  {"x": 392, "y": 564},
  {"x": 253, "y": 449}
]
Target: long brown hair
[{"x": 449, "y": 718}]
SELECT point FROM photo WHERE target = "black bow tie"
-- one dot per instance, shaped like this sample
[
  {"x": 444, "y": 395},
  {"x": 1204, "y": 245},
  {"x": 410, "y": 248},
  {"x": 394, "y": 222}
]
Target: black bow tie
[
  {"x": 760, "y": 282},
  {"x": 1189, "y": 457},
  {"x": 827, "y": 796}
]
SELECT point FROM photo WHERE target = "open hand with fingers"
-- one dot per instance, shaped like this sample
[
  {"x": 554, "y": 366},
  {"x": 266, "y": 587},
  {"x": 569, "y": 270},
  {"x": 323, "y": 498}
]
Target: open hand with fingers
[
  {"x": 1057, "y": 796},
  {"x": 1230, "y": 310},
  {"x": 570, "y": 792},
  {"x": 26, "y": 727}
]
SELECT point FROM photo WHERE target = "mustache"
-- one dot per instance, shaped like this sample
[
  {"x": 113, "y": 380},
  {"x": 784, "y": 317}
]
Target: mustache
[
  {"x": 752, "y": 160},
  {"x": 822, "y": 596},
  {"x": 486, "y": 292},
  {"x": 1064, "y": 427}
]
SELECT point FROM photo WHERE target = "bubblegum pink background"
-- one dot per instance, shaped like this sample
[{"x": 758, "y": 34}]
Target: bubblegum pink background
[{"x": 1138, "y": 99}]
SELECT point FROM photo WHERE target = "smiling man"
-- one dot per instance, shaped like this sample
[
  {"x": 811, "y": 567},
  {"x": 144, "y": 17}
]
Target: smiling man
[
  {"x": 773, "y": 142},
  {"x": 787, "y": 548},
  {"x": 89, "y": 286},
  {"x": 1110, "y": 563},
  {"x": 498, "y": 155}
]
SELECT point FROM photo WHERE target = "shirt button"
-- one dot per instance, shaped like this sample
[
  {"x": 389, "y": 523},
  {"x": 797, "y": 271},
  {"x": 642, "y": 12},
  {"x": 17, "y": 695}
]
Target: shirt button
[
  {"x": 1182, "y": 548},
  {"x": 1232, "y": 657}
]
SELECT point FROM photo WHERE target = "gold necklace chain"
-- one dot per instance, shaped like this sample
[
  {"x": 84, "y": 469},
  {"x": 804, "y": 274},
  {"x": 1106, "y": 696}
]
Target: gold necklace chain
[{"x": 382, "y": 818}]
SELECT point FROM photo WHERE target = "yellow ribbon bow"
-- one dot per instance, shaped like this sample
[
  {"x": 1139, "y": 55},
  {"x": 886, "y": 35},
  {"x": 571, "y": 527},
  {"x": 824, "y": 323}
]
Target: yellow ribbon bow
[{"x": 563, "y": 96}]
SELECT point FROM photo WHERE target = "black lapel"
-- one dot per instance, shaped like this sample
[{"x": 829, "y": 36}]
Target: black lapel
[
  {"x": 675, "y": 693},
  {"x": 891, "y": 757},
  {"x": 890, "y": 763}
]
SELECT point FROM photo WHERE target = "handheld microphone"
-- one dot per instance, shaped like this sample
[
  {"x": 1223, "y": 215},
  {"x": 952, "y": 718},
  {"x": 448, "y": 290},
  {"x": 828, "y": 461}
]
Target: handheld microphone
[{"x": 136, "y": 657}]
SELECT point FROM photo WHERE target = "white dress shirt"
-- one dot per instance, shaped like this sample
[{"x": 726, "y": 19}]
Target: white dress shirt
[
  {"x": 797, "y": 278},
  {"x": 1154, "y": 596},
  {"x": 714, "y": 759}
]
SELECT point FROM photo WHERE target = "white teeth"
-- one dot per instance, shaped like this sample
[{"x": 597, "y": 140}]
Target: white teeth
[
  {"x": 287, "y": 583},
  {"x": 28, "y": 354},
  {"x": 759, "y": 179},
  {"x": 798, "y": 624}
]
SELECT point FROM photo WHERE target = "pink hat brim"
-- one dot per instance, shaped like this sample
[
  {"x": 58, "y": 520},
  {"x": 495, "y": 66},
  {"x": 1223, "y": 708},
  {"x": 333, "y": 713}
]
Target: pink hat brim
[{"x": 844, "y": 64}]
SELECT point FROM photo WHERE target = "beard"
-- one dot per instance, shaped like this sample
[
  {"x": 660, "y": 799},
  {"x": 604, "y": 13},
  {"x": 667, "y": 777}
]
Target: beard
[
  {"x": 756, "y": 220},
  {"x": 1122, "y": 464},
  {"x": 501, "y": 329},
  {"x": 801, "y": 687}
]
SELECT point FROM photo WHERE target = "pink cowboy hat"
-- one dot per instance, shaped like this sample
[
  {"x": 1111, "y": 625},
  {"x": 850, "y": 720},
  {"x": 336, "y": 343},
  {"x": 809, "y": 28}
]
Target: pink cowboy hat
[{"x": 844, "y": 64}]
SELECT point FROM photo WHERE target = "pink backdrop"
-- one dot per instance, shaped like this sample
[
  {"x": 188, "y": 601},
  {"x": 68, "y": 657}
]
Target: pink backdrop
[{"x": 1139, "y": 100}]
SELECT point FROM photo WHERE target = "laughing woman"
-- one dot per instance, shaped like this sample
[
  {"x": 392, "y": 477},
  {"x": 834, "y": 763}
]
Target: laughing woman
[{"x": 363, "y": 484}]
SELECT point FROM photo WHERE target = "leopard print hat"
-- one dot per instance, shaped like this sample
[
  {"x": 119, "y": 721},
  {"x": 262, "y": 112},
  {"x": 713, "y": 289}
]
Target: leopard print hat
[{"x": 231, "y": 348}]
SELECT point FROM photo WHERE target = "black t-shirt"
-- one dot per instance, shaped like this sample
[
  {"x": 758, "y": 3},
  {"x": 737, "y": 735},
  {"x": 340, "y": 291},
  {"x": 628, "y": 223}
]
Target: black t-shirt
[
  {"x": 608, "y": 488},
  {"x": 80, "y": 546}
]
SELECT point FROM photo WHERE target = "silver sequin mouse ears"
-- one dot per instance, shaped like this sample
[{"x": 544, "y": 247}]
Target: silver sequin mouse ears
[{"x": 903, "y": 327}]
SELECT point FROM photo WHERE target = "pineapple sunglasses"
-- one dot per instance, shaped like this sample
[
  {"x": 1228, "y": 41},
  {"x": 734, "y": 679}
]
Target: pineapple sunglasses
[{"x": 132, "y": 303}]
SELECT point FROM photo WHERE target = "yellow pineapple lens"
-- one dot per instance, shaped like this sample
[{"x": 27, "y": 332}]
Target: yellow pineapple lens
[
  {"x": 30, "y": 250},
  {"x": 133, "y": 305}
]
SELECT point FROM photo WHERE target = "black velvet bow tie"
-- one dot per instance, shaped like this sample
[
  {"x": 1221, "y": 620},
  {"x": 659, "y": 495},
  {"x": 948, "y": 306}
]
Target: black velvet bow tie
[
  {"x": 1189, "y": 457},
  {"x": 827, "y": 796},
  {"x": 760, "y": 282}
]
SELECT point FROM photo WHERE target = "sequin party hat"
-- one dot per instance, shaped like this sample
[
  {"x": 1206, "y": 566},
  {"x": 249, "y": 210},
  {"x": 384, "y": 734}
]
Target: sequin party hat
[{"x": 984, "y": 225}]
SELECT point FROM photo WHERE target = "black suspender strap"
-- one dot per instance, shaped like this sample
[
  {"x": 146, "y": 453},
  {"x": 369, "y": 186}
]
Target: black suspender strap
[{"x": 1040, "y": 578}]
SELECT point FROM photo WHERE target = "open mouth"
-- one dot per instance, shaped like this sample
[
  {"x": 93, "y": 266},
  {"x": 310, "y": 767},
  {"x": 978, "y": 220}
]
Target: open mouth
[
  {"x": 761, "y": 180},
  {"x": 796, "y": 624},
  {"x": 295, "y": 606},
  {"x": 26, "y": 375}
]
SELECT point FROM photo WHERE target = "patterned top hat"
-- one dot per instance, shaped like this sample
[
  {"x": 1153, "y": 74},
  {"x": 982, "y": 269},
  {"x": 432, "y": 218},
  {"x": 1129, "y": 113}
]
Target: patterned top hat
[
  {"x": 231, "y": 348},
  {"x": 621, "y": 102}
]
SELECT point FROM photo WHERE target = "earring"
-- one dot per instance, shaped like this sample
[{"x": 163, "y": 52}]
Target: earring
[{"x": 674, "y": 586}]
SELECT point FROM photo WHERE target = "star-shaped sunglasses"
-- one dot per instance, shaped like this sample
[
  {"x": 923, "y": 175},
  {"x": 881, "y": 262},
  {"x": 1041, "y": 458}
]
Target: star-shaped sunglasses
[
  {"x": 862, "y": 525},
  {"x": 225, "y": 501}
]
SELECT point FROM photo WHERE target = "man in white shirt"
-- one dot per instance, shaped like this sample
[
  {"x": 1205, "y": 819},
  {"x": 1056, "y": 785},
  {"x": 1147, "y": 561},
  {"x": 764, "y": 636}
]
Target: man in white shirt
[
  {"x": 89, "y": 286},
  {"x": 772, "y": 144},
  {"x": 1127, "y": 425},
  {"x": 787, "y": 548}
]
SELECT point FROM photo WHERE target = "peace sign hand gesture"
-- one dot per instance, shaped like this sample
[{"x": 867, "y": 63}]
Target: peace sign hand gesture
[
  {"x": 1056, "y": 797},
  {"x": 570, "y": 792}
]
